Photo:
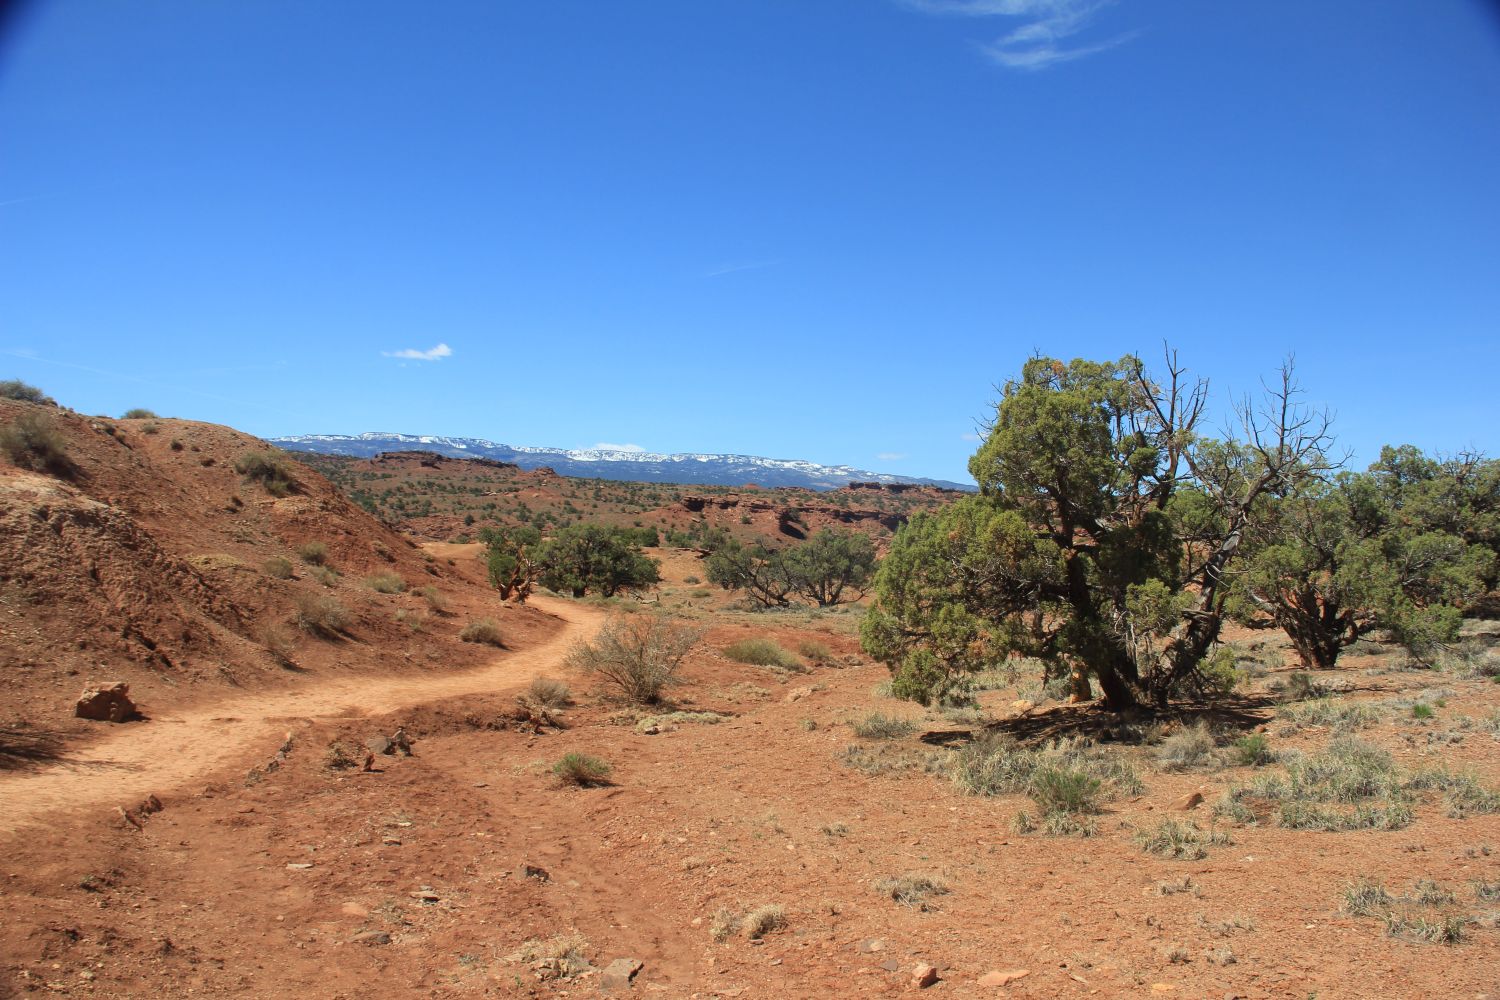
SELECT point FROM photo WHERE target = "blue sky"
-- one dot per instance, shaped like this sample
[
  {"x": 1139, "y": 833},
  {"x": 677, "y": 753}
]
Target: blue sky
[{"x": 820, "y": 229}]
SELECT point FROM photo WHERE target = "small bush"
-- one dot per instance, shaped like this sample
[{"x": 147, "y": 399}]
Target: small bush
[
  {"x": 278, "y": 643},
  {"x": 1448, "y": 929},
  {"x": 763, "y": 920},
  {"x": 340, "y": 756},
  {"x": 1187, "y": 749},
  {"x": 386, "y": 583},
  {"x": 913, "y": 889},
  {"x": 691, "y": 580},
  {"x": 1335, "y": 713},
  {"x": 483, "y": 631},
  {"x": 326, "y": 575},
  {"x": 640, "y": 654},
  {"x": 582, "y": 770},
  {"x": 1000, "y": 765},
  {"x": 549, "y": 693},
  {"x": 876, "y": 726},
  {"x": 560, "y": 957},
  {"x": 1253, "y": 750},
  {"x": 14, "y": 388},
  {"x": 313, "y": 553},
  {"x": 138, "y": 413},
  {"x": 1422, "y": 711},
  {"x": 1064, "y": 790},
  {"x": 271, "y": 471},
  {"x": 33, "y": 442},
  {"x": 762, "y": 653},
  {"x": 436, "y": 602},
  {"x": 815, "y": 652},
  {"x": 321, "y": 615},
  {"x": 724, "y": 924},
  {"x": 279, "y": 567}
]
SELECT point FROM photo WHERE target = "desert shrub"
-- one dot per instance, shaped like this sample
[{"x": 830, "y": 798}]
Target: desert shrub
[
  {"x": 341, "y": 756},
  {"x": 912, "y": 889},
  {"x": 278, "y": 642},
  {"x": 1187, "y": 749},
  {"x": 313, "y": 553},
  {"x": 1253, "y": 750},
  {"x": 692, "y": 580},
  {"x": 638, "y": 654},
  {"x": 1300, "y": 686},
  {"x": 386, "y": 583},
  {"x": 698, "y": 593},
  {"x": 876, "y": 726},
  {"x": 1063, "y": 789},
  {"x": 724, "y": 924},
  {"x": 483, "y": 631},
  {"x": 1422, "y": 711},
  {"x": 1179, "y": 841},
  {"x": 999, "y": 765},
  {"x": 271, "y": 471},
  {"x": 321, "y": 615},
  {"x": 815, "y": 652},
  {"x": 763, "y": 920},
  {"x": 138, "y": 413},
  {"x": 560, "y": 957},
  {"x": 326, "y": 575},
  {"x": 1335, "y": 713},
  {"x": 279, "y": 567},
  {"x": 436, "y": 602},
  {"x": 1485, "y": 892},
  {"x": 582, "y": 770},
  {"x": 549, "y": 693},
  {"x": 762, "y": 653},
  {"x": 1463, "y": 793},
  {"x": 33, "y": 442},
  {"x": 14, "y": 388}
]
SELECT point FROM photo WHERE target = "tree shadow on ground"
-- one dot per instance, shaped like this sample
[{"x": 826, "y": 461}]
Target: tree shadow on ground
[
  {"x": 22, "y": 747},
  {"x": 1104, "y": 726}
]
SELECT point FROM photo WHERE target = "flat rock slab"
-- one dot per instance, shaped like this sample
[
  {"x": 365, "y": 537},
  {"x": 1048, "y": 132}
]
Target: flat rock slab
[
  {"x": 619, "y": 975},
  {"x": 1003, "y": 977}
]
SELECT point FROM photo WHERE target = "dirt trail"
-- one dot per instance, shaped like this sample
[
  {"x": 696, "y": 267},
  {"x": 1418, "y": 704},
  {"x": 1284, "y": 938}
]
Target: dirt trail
[{"x": 176, "y": 748}]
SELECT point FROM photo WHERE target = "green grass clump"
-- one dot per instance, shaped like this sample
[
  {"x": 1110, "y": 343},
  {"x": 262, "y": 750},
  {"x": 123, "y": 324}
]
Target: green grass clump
[
  {"x": 1064, "y": 790},
  {"x": 815, "y": 652},
  {"x": 1332, "y": 713},
  {"x": 138, "y": 413},
  {"x": 1365, "y": 897},
  {"x": 999, "y": 765},
  {"x": 582, "y": 770},
  {"x": 1253, "y": 750},
  {"x": 877, "y": 726},
  {"x": 1179, "y": 841},
  {"x": 14, "y": 388},
  {"x": 32, "y": 441},
  {"x": 762, "y": 653}
]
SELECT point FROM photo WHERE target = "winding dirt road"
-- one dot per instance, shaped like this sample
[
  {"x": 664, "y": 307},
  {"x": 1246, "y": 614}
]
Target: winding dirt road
[{"x": 174, "y": 749}]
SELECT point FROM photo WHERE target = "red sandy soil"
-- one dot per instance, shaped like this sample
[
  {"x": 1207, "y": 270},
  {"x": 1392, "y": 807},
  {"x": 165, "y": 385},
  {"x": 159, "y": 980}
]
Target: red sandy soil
[{"x": 258, "y": 882}]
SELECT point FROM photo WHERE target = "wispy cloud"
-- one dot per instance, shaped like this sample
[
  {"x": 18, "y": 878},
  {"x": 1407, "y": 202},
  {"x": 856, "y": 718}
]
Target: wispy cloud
[
  {"x": 605, "y": 446},
  {"x": 1042, "y": 37},
  {"x": 749, "y": 265},
  {"x": 891, "y": 456},
  {"x": 437, "y": 353}
]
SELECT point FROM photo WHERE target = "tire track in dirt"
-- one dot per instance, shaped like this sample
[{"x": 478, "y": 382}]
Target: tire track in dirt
[{"x": 176, "y": 748}]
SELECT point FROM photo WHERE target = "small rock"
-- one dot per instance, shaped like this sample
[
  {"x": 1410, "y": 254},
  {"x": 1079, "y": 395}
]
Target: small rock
[
  {"x": 619, "y": 975},
  {"x": 380, "y": 745},
  {"x": 923, "y": 976},
  {"x": 371, "y": 938},
  {"x": 798, "y": 693},
  {"x": 532, "y": 871},
  {"x": 426, "y": 896},
  {"x": 1192, "y": 800},
  {"x": 390, "y": 841},
  {"x": 871, "y": 945},
  {"x": 1022, "y": 706},
  {"x": 1003, "y": 977},
  {"x": 891, "y": 965},
  {"x": 299, "y": 866},
  {"x": 107, "y": 702}
]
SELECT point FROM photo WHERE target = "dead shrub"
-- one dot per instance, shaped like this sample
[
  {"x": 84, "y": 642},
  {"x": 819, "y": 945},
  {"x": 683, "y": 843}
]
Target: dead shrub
[
  {"x": 639, "y": 654},
  {"x": 322, "y": 615},
  {"x": 483, "y": 631}
]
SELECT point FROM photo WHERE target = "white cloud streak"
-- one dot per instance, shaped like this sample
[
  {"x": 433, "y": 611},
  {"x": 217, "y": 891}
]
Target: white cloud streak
[
  {"x": 437, "y": 353},
  {"x": 753, "y": 265},
  {"x": 1041, "y": 40}
]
